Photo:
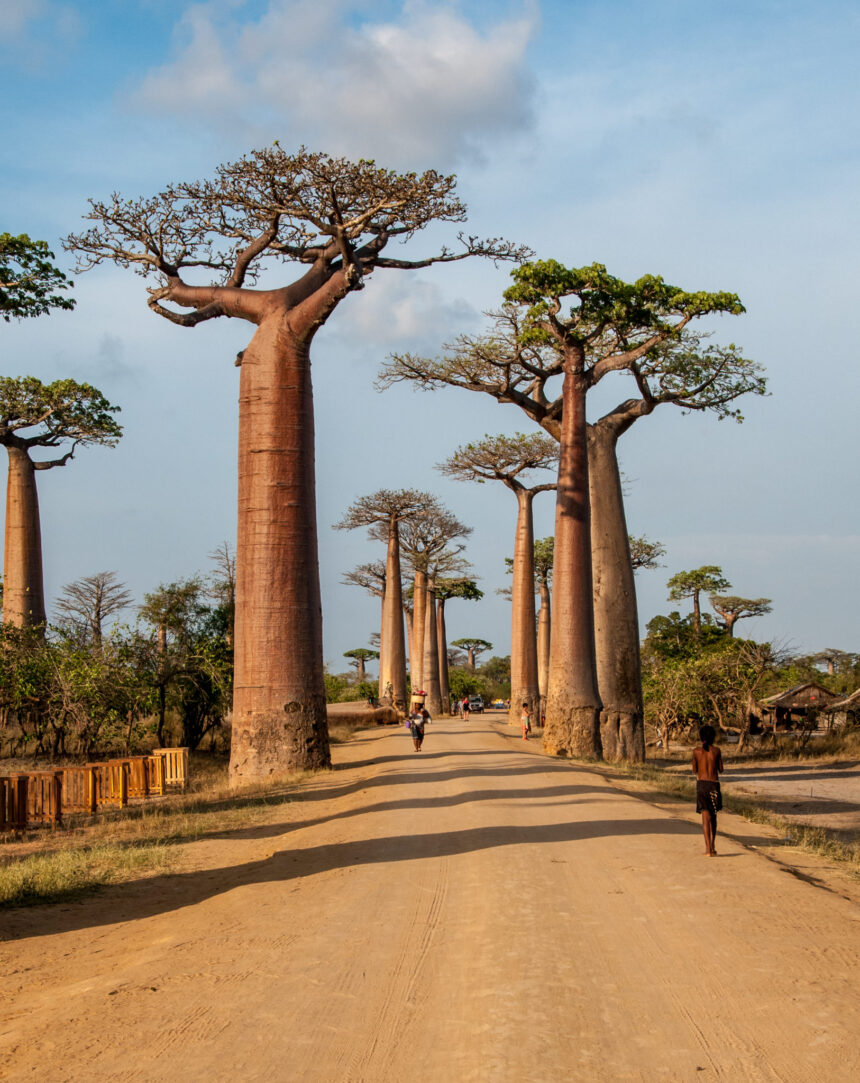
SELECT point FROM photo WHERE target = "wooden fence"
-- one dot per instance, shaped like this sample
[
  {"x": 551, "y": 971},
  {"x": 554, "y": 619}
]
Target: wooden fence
[{"x": 32, "y": 798}]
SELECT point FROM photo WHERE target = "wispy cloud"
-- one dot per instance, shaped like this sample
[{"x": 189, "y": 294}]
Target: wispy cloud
[{"x": 428, "y": 86}]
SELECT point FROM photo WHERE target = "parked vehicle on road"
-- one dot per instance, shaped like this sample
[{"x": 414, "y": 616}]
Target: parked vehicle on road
[{"x": 476, "y": 704}]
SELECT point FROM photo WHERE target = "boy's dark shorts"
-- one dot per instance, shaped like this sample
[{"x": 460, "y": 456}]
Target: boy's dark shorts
[{"x": 708, "y": 796}]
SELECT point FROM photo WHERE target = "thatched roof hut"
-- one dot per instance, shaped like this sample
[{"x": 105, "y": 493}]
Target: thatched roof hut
[{"x": 843, "y": 712}]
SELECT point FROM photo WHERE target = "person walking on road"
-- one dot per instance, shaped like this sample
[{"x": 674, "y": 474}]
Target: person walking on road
[
  {"x": 416, "y": 727},
  {"x": 464, "y": 708},
  {"x": 707, "y": 764}
]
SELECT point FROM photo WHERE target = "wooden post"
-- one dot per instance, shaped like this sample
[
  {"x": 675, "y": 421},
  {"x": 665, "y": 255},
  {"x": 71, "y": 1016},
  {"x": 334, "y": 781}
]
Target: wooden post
[{"x": 57, "y": 799}]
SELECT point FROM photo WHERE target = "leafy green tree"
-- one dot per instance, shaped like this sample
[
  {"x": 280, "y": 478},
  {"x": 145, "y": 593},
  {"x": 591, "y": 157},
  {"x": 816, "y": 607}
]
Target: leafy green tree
[
  {"x": 707, "y": 579},
  {"x": 674, "y": 636},
  {"x": 36, "y": 415},
  {"x": 28, "y": 279},
  {"x": 732, "y": 608},
  {"x": 334, "y": 220},
  {"x": 645, "y": 553}
]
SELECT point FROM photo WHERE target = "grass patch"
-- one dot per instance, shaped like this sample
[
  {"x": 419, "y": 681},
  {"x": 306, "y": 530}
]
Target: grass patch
[{"x": 816, "y": 840}]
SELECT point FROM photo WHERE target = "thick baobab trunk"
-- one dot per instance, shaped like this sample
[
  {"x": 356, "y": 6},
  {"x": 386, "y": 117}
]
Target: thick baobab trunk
[
  {"x": 361, "y": 669},
  {"x": 544, "y": 629},
  {"x": 470, "y": 660},
  {"x": 419, "y": 622},
  {"x": 433, "y": 702},
  {"x": 279, "y": 709},
  {"x": 410, "y": 637},
  {"x": 573, "y": 705},
  {"x": 392, "y": 667},
  {"x": 616, "y": 619},
  {"x": 697, "y": 614},
  {"x": 524, "y": 666},
  {"x": 442, "y": 648},
  {"x": 23, "y": 586}
]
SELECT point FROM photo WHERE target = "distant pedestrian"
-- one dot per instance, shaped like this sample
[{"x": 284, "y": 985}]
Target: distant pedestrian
[
  {"x": 526, "y": 719},
  {"x": 464, "y": 714},
  {"x": 416, "y": 726},
  {"x": 707, "y": 764}
]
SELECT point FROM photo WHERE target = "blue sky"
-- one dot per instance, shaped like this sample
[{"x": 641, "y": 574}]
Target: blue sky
[{"x": 715, "y": 144}]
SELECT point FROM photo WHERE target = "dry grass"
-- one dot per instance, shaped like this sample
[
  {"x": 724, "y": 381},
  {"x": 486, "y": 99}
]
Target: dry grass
[{"x": 140, "y": 840}]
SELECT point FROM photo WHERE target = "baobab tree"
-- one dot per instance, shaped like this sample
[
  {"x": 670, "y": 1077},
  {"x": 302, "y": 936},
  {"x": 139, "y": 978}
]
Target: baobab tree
[
  {"x": 370, "y": 577},
  {"x": 473, "y": 647},
  {"x": 707, "y": 579},
  {"x": 36, "y": 415},
  {"x": 87, "y": 603},
  {"x": 335, "y": 218},
  {"x": 444, "y": 590},
  {"x": 28, "y": 279},
  {"x": 388, "y": 509},
  {"x": 543, "y": 559},
  {"x": 514, "y": 365},
  {"x": 732, "y": 609},
  {"x": 506, "y": 459},
  {"x": 425, "y": 546},
  {"x": 359, "y": 657}
]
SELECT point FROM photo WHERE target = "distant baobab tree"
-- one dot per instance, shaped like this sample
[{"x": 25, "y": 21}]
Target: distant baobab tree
[
  {"x": 359, "y": 657},
  {"x": 472, "y": 647},
  {"x": 732, "y": 609},
  {"x": 444, "y": 589},
  {"x": 388, "y": 509},
  {"x": 62, "y": 414},
  {"x": 705, "y": 580},
  {"x": 507, "y": 459},
  {"x": 87, "y": 603},
  {"x": 335, "y": 219}
]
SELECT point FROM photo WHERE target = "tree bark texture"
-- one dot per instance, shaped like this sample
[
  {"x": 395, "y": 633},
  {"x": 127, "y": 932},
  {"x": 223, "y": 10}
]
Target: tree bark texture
[
  {"x": 392, "y": 669},
  {"x": 433, "y": 702},
  {"x": 573, "y": 705},
  {"x": 23, "y": 584},
  {"x": 616, "y": 619},
  {"x": 524, "y": 666},
  {"x": 279, "y": 710},
  {"x": 544, "y": 630},
  {"x": 419, "y": 622},
  {"x": 442, "y": 647}
]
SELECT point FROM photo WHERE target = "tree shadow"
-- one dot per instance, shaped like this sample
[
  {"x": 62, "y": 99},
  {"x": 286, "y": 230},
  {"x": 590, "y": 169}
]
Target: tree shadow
[{"x": 163, "y": 894}]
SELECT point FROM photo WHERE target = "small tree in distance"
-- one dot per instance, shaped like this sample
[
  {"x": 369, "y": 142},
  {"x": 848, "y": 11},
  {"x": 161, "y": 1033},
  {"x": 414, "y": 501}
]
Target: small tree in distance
[
  {"x": 87, "y": 603},
  {"x": 334, "y": 219},
  {"x": 473, "y": 648},
  {"x": 707, "y": 579},
  {"x": 732, "y": 609},
  {"x": 359, "y": 656}
]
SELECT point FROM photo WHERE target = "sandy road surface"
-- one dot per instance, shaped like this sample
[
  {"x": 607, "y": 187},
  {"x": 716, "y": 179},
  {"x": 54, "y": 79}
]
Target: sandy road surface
[{"x": 472, "y": 912}]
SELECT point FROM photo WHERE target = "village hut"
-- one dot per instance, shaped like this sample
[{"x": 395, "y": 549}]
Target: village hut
[
  {"x": 796, "y": 706},
  {"x": 843, "y": 712}
]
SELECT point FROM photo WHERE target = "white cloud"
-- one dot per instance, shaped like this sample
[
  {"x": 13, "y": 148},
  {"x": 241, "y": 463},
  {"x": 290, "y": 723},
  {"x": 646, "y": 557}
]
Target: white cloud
[
  {"x": 428, "y": 87},
  {"x": 61, "y": 25}
]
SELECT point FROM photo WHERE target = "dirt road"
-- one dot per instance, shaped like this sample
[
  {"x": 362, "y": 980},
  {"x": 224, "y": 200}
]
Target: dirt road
[{"x": 472, "y": 912}]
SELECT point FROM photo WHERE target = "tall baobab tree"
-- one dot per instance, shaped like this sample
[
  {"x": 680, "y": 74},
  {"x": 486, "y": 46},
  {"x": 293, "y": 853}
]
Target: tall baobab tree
[
  {"x": 507, "y": 459},
  {"x": 732, "y": 608},
  {"x": 445, "y": 589},
  {"x": 543, "y": 558},
  {"x": 335, "y": 219},
  {"x": 36, "y": 415},
  {"x": 388, "y": 510},
  {"x": 708, "y": 579},
  {"x": 88, "y": 602},
  {"x": 514, "y": 366},
  {"x": 28, "y": 277}
]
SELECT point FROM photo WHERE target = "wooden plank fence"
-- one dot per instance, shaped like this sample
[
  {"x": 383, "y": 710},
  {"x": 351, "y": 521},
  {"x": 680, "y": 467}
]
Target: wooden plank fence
[{"x": 32, "y": 798}]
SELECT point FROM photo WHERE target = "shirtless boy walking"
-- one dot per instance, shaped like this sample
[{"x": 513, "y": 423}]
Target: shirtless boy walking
[{"x": 707, "y": 764}]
